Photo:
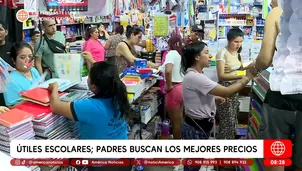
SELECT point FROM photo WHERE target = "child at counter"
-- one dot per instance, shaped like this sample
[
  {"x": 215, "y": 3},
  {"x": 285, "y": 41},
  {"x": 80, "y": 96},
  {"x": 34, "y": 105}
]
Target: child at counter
[{"x": 104, "y": 115}]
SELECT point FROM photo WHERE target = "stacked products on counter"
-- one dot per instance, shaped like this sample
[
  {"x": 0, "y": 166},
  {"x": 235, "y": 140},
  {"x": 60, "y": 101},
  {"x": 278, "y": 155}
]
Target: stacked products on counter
[{"x": 15, "y": 125}]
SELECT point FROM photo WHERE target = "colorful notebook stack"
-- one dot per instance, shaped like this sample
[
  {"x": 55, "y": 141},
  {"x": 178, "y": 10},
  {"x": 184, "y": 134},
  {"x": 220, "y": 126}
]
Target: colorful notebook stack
[
  {"x": 47, "y": 125},
  {"x": 15, "y": 125}
]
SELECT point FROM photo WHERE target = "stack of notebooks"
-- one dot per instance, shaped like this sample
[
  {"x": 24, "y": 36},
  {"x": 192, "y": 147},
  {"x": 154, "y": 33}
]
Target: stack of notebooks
[
  {"x": 15, "y": 125},
  {"x": 47, "y": 125},
  {"x": 39, "y": 96}
]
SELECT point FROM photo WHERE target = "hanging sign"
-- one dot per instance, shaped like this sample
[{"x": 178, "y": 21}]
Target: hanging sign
[
  {"x": 67, "y": 5},
  {"x": 31, "y": 7},
  {"x": 161, "y": 26},
  {"x": 22, "y": 15}
]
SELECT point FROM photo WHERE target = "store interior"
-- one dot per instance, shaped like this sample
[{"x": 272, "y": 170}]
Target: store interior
[{"x": 158, "y": 20}]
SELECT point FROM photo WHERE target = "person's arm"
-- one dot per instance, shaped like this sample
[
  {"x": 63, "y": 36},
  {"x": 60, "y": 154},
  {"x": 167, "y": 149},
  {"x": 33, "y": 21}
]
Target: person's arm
[
  {"x": 107, "y": 45},
  {"x": 222, "y": 76},
  {"x": 220, "y": 65},
  {"x": 107, "y": 36},
  {"x": 57, "y": 106},
  {"x": 89, "y": 58},
  {"x": 222, "y": 91},
  {"x": 142, "y": 44},
  {"x": 169, "y": 62},
  {"x": 79, "y": 110},
  {"x": 271, "y": 31}
]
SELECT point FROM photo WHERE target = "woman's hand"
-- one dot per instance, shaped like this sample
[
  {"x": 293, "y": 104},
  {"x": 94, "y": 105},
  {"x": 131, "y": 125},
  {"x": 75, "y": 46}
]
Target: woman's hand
[
  {"x": 87, "y": 55},
  {"x": 3, "y": 109},
  {"x": 53, "y": 87},
  {"x": 219, "y": 100},
  {"x": 168, "y": 87},
  {"x": 250, "y": 66}
]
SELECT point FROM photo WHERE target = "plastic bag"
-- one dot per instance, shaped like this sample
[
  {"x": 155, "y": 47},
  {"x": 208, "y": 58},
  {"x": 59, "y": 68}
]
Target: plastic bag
[{"x": 4, "y": 74}]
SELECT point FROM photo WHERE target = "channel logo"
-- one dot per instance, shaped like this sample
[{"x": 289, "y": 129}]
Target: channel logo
[{"x": 277, "y": 149}]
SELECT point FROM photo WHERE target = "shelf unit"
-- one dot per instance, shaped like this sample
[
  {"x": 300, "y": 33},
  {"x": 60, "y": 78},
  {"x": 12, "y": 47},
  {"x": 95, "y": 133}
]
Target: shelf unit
[
  {"x": 251, "y": 23},
  {"x": 81, "y": 26},
  {"x": 259, "y": 88}
]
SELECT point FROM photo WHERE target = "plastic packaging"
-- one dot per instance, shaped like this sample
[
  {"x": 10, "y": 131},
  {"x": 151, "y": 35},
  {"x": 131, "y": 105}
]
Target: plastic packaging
[
  {"x": 4, "y": 74},
  {"x": 295, "y": 22}
]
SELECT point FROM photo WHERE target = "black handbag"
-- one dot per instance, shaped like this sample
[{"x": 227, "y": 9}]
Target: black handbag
[{"x": 54, "y": 46}]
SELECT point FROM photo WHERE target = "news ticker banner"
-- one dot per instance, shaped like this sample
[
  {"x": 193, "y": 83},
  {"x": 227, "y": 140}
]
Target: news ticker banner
[
  {"x": 113, "y": 149},
  {"x": 147, "y": 162}
]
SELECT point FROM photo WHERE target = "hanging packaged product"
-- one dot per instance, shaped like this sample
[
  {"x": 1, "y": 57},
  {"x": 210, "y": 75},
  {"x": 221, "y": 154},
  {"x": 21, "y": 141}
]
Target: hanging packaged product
[
  {"x": 57, "y": 5},
  {"x": 4, "y": 74}
]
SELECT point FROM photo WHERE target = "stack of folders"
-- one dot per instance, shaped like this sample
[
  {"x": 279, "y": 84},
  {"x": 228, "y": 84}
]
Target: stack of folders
[
  {"x": 47, "y": 125},
  {"x": 15, "y": 125}
]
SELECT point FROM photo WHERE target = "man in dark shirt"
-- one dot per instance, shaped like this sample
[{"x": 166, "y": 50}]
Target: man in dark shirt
[{"x": 4, "y": 51}]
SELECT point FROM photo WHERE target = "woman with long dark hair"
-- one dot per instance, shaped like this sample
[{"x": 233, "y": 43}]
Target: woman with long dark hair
[
  {"x": 228, "y": 63},
  {"x": 200, "y": 93},
  {"x": 25, "y": 77},
  {"x": 103, "y": 116},
  {"x": 93, "y": 45},
  {"x": 125, "y": 51},
  {"x": 173, "y": 78}
]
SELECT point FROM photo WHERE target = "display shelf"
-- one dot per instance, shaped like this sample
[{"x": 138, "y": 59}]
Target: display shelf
[{"x": 260, "y": 86}]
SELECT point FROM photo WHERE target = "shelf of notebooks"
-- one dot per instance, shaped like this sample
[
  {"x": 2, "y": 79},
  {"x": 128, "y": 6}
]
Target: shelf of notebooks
[{"x": 259, "y": 88}]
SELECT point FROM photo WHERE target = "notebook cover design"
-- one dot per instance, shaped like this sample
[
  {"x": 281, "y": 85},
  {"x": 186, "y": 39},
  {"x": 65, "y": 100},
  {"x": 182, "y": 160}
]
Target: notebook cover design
[{"x": 14, "y": 118}]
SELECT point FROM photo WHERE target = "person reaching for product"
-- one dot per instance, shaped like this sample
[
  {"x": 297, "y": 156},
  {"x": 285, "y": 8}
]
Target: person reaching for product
[
  {"x": 103, "y": 116},
  {"x": 199, "y": 93},
  {"x": 125, "y": 51},
  {"x": 173, "y": 78},
  {"x": 228, "y": 62},
  {"x": 3, "y": 109},
  {"x": 25, "y": 77}
]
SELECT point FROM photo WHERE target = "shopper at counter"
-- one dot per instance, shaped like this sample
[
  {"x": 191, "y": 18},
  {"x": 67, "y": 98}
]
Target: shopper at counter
[
  {"x": 199, "y": 93},
  {"x": 24, "y": 77},
  {"x": 228, "y": 62},
  {"x": 125, "y": 51},
  {"x": 112, "y": 43},
  {"x": 93, "y": 45},
  {"x": 104, "y": 115}
]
